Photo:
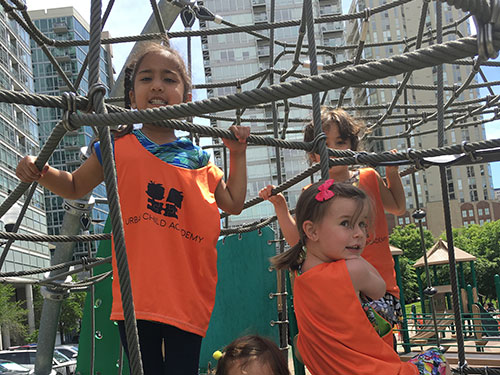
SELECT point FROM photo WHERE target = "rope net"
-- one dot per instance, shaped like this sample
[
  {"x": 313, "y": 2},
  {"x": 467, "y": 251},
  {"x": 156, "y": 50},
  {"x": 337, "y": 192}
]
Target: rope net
[{"x": 281, "y": 88}]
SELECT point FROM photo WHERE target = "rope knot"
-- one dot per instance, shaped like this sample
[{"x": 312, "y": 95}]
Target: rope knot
[
  {"x": 415, "y": 159},
  {"x": 315, "y": 142},
  {"x": 96, "y": 94},
  {"x": 70, "y": 98},
  {"x": 469, "y": 151}
]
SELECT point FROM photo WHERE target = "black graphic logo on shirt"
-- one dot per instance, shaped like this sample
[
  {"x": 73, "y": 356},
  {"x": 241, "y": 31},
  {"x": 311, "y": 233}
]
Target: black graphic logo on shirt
[{"x": 156, "y": 193}]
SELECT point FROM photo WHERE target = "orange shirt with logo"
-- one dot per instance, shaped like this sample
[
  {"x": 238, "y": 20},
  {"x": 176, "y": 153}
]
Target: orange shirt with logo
[
  {"x": 172, "y": 224},
  {"x": 336, "y": 336}
]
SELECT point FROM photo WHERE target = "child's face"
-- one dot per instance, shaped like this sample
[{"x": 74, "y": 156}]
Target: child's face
[
  {"x": 337, "y": 236},
  {"x": 334, "y": 140},
  {"x": 157, "y": 82},
  {"x": 252, "y": 367}
]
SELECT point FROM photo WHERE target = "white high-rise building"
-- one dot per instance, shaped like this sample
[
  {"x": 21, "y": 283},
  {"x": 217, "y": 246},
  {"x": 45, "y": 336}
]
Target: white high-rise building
[{"x": 470, "y": 187}]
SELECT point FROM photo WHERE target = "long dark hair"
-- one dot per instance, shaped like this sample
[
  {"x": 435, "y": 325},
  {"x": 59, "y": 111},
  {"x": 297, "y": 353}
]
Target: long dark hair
[
  {"x": 249, "y": 348},
  {"x": 309, "y": 208}
]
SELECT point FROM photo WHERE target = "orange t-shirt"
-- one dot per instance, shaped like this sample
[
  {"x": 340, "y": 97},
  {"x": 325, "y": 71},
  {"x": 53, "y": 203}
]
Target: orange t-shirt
[
  {"x": 171, "y": 223},
  {"x": 335, "y": 336},
  {"x": 377, "y": 251}
]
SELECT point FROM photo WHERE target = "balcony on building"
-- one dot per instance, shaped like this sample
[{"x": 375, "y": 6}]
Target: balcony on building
[
  {"x": 332, "y": 27},
  {"x": 62, "y": 58},
  {"x": 68, "y": 70},
  {"x": 329, "y": 10},
  {"x": 258, "y": 3},
  {"x": 263, "y": 48},
  {"x": 260, "y": 17},
  {"x": 60, "y": 28}
]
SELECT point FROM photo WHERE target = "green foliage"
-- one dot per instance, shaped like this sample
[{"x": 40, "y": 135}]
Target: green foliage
[
  {"x": 71, "y": 311},
  {"x": 483, "y": 242},
  {"x": 409, "y": 279},
  {"x": 12, "y": 314},
  {"x": 407, "y": 238}
]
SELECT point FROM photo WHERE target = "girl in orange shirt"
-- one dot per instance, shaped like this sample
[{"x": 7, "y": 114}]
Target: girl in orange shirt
[
  {"x": 333, "y": 281},
  {"x": 170, "y": 199},
  {"x": 342, "y": 133}
]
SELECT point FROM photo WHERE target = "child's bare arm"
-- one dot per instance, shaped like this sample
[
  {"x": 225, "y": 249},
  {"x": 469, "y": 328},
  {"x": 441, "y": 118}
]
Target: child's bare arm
[
  {"x": 67, "y": 185},
  {"x": 392, "y": 193},
  {"x": 230, "y": 195},
  {"x": 365, "y": 278},
  {"x": 286, "y": 221}
]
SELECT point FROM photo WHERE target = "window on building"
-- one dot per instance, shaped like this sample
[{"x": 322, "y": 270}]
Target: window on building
[
  {"x": 471, "y": 213},
  {"x": 486, "y": 211},
  {"x": 464, "y": 213},
  {"x": 407, "y": 220},
  {"x": 480, "y": 211}
]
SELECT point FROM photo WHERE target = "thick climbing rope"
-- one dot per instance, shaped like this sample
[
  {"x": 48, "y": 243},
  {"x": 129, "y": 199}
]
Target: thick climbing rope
[{"x": 354, "y": 76}]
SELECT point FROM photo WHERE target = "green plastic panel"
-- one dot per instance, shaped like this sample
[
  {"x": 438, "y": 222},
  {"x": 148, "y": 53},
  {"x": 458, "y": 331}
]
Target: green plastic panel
[{"x": 242, "y": 303}]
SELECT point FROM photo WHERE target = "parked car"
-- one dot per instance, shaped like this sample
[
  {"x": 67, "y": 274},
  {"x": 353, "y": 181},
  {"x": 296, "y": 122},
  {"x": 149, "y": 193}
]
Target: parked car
[
  {"x": 70, "y": 351},
  {"x": 26, "y": 357},
  {"x": 12, "y": 368}
]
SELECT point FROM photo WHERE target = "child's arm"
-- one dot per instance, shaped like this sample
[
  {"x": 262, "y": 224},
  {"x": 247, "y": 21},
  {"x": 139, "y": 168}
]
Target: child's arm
[
  {"x": 392, "y": 194},
  {"x": 365, "y": 278},
  {"x": 230, "y": 195},
  {"x": 67, "y": 185},
  {"x": 286, "y": 221}
]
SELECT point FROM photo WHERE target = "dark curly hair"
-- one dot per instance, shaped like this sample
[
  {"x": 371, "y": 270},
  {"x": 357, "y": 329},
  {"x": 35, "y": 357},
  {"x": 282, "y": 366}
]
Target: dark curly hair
[{"x": 349, "y": 128}]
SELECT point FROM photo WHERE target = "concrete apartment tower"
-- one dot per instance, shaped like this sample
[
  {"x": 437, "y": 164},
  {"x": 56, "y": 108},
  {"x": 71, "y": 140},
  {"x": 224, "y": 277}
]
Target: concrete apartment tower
[
  {"x": 66, "y": 24},
  {"x": 232, "y": 57},
  {"x": 470, "y": 187}
]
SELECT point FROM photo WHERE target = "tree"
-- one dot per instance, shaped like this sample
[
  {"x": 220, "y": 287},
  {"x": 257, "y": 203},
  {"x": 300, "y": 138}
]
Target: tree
[
  {"x": 71, "y": 311},
  {"x": 407, "y": 238},
  {"x": 12, "y": 314},
  {"x": 483, "y": 242}
]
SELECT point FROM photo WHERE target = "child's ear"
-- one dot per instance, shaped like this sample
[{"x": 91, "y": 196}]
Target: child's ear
[
  {"x": 309, "y": 230},
  {"x": 189, "y": 97}
]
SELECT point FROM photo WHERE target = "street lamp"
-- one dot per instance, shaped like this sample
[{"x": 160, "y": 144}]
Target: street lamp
[{"x": 9, "y": 219}]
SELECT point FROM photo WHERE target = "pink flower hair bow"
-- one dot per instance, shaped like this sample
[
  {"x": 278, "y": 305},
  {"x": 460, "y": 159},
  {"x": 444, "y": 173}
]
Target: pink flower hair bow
[{"x": 324, "y": 191}]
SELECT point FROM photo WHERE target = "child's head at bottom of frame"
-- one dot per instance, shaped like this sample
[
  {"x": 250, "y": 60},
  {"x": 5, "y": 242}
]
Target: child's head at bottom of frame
[{"x": 252, "y": 355}]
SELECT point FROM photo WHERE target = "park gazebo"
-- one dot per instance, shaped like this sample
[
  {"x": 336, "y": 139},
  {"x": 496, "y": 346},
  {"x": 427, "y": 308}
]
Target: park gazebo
[{"x": 436, "y": 256}]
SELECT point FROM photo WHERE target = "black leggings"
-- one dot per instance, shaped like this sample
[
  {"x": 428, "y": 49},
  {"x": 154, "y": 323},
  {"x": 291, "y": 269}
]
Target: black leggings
[{"x": 182, "y": 349}]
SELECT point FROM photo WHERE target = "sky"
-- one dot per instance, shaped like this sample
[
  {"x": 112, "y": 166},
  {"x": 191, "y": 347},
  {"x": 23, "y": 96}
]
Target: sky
[{"x": 128, "y": 17}]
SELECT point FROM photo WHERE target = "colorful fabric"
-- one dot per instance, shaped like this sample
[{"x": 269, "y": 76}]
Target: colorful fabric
[
  {"x": 430, "y": 362},
  {"x": 377, "y": 251},
  {"x": 336, "y": 338},
  {"x": 171, "y": 224},
  {"x": 181, "y": 153},
  {"x": 388, "y": 307},
  {"x": 379, "y": 323}
]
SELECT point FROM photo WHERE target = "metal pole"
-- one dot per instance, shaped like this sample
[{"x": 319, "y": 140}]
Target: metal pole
[{"x": 77, "y": 215}]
